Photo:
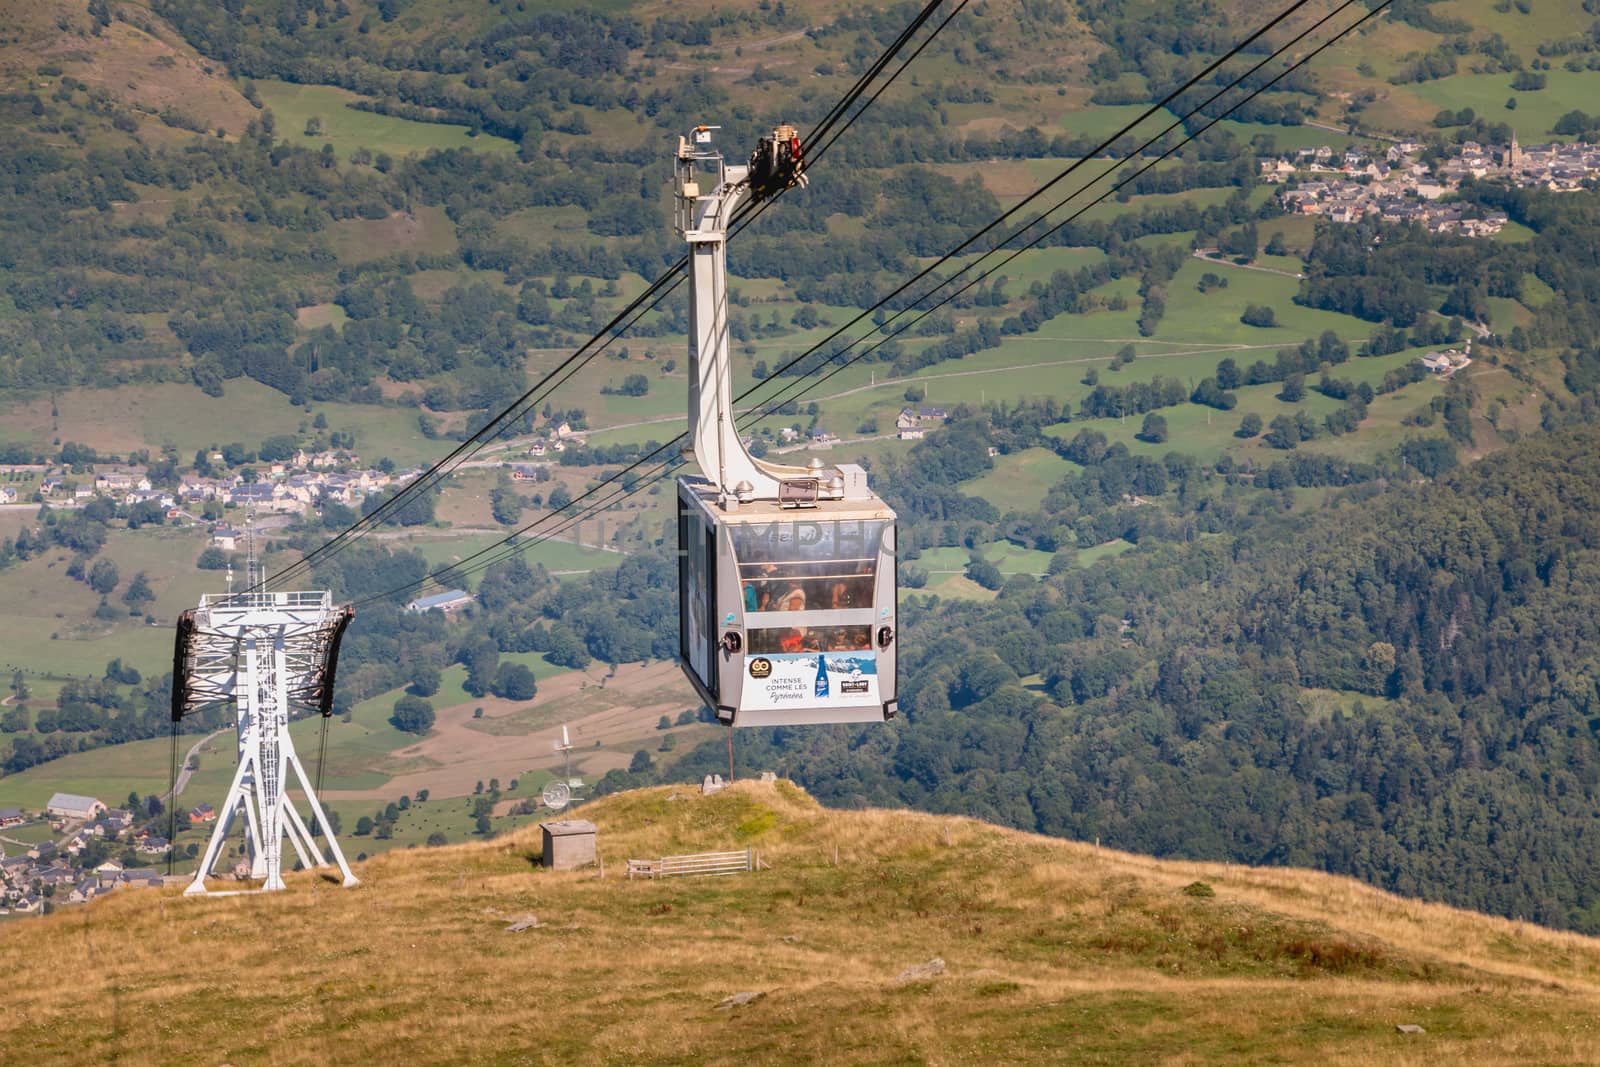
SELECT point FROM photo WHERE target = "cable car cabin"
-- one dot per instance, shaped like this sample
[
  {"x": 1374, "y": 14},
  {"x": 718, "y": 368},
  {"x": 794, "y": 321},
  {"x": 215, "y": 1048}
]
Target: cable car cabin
[
  {"x": 786, "y": 575},
  {"x": 788, "y": 605}
]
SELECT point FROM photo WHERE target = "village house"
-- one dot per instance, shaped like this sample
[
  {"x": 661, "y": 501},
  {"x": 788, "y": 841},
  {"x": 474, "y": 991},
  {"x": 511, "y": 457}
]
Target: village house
[
  {"x": 57, "y": 874},
  {"x": 8, "y": 495},
  {"x": 141, "y": 878},
  {"x": 120, "y": 481},
  {"x": 198, "y": 489},
  {"x": 1276, "y": 170},
  {"x": 202, "y": 813},
  {"x": 12, "y": 817},
  {"x": 266, "y": 496},
  {"x": 1446, "y": 362}
]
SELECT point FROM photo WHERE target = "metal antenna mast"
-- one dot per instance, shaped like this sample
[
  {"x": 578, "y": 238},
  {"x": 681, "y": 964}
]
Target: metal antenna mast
[{"x": 267, "y": 654}]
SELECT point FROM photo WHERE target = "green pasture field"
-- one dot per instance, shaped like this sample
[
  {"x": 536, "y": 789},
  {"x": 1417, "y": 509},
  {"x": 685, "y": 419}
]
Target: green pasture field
[
  {"x": 1290, "y": 138},
  {"x": 452, "y": 679},
  {"x": 1009, "y": 558},
  {"x": 1536, "y": 112},
  {"x": 1514, "y": 233},
  {"x": 1020, "y": 480},
  {"x": 540, "y": 224},
  {"x": 1291, "y": 264},
  {"x": 1035, "y": 265},
  {"x": 356, "y": 750},
  {"x": 1102, "y": 120},
  {"x": 432, "y": 284},
  {"x": 946, "y": 566},
  {"x": 425, "y": 230},
  {"x": 110, "y": 773},
  {"x": 48, "y": 626},
  {"x": 1549, "y": 20},
  {"x": 50, "y": 629},
  {"x": 1505, "y": 313},
  {"x": 1088, "y": 557},
  {"x": 32, "y": 833},
  {"x": 953, "y": 586},
  {"x": 1298, "y": 231},
  {"x": 1205, "y": 432},
  {"x": 151, "y": 416},
  {"x": 1214, "y": 316},
  {"x": 1321, "y": 704},
  {"x": 311, "y": 317},
  {"x": 348, "y": 129},
  {"x": 1535, "y": 293},
  {"x": 1110, "y": 209},
  {"x": 451, "y": 816}
]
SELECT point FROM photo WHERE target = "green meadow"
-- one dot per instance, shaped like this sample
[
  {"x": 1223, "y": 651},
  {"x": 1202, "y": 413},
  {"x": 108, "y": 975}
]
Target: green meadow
[
  {"x": 1536, "y": 111},
  {"x": 348, "y": 129}
]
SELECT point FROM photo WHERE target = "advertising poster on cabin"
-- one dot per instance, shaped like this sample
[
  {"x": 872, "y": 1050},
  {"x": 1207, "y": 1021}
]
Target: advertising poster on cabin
[{"x": 810, "y": 679}]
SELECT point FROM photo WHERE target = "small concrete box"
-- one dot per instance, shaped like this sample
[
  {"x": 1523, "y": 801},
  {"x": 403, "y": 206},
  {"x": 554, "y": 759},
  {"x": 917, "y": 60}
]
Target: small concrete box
[{"x": 568, "y": 844}]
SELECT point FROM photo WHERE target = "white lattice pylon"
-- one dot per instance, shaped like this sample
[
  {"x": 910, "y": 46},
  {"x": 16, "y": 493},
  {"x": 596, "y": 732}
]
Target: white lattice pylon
[{"x": 260, "y": 650}]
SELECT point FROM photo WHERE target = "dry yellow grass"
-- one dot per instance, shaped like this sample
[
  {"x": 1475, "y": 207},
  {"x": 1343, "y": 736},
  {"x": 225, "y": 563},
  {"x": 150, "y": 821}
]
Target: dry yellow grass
[{"x": 1057, "y": 953}]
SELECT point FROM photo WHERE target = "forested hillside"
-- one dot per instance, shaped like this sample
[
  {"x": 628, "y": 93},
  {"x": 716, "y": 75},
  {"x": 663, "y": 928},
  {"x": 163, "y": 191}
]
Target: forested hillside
[{"x": 1402, "y": 688}]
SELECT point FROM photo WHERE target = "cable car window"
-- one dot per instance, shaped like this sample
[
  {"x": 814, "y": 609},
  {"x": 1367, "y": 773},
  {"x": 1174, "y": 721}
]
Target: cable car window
[
  {"x": 697, "y": 592},
  {"x": 778, "y": 639},
  {"x": 808, "y": 566}
]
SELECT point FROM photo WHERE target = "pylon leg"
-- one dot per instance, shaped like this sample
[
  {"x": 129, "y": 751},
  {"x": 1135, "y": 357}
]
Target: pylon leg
[{"x": 237, "y": 800}]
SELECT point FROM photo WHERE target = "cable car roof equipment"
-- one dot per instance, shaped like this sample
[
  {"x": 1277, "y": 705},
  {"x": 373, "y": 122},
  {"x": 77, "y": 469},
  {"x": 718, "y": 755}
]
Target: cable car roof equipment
[{"x": 786, "y": 574}]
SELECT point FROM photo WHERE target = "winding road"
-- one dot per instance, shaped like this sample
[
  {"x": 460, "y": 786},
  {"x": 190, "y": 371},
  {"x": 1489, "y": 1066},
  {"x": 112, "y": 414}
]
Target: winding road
[{"x": 184, "y": 773}]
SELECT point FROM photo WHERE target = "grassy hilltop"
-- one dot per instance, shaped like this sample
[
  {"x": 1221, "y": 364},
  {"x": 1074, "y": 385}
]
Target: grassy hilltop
[{"x": 1055, "y": 952}]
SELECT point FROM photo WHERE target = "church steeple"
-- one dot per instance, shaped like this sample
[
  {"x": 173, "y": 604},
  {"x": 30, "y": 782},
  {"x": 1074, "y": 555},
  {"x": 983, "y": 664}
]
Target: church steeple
[{"x": 1514, "y": 154}]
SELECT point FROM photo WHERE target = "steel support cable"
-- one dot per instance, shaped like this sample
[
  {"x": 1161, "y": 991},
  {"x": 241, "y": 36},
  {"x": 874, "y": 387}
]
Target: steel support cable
[
  {"x": 322, "y": 759},
  {"x": 519, "y": 547},
  {"x": 659, "y": 290},
  {"x": 876, "y": 68},
  {"x": 1020, "y": 205},
  {"x": 172, "y": 800},
  {"x": 464, "y": 451},
  {"x": 1033, "y": 242},
  {"x": 812, "y": 155}
]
